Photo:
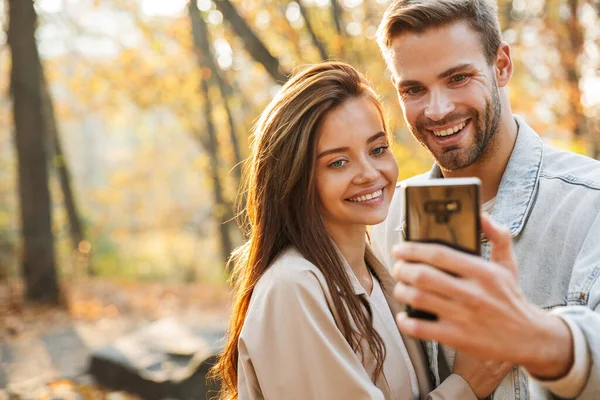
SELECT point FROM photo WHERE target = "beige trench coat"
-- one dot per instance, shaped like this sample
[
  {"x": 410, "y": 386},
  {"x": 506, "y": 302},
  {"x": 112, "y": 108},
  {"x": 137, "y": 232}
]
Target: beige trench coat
[{"x": 291, "y": 346}]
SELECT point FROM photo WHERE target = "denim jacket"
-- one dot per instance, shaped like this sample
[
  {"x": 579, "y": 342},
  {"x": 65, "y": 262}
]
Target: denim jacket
[{"x": 550, "y": 201}]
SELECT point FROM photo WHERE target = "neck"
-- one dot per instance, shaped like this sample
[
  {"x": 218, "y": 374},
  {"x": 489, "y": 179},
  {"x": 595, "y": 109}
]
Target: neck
[
  {"x": 352, "y": 243},
  {"x": 490, "y": 166}
]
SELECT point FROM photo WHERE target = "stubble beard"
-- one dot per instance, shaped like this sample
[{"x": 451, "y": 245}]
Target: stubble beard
[{"x": 487, "y": 124}]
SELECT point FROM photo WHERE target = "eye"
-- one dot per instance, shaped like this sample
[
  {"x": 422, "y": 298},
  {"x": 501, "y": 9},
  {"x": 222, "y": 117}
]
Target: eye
[
  {"x": 413, "y": 90},
  {"x": 380, "y": 150},
  {"x": 458, "y": 78},
  {"x": 338, "y": 164}
]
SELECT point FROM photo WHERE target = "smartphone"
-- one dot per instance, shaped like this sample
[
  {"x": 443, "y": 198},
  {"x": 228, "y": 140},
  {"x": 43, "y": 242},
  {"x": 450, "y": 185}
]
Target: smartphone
[{"x": 444, "y": 211}]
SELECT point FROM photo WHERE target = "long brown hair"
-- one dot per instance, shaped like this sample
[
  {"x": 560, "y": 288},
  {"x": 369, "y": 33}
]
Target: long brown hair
[{"x": 281, "y": 207}]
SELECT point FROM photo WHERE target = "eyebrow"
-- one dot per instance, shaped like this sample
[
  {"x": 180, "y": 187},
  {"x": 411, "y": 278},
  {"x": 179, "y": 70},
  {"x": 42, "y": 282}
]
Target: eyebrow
[
  {"x": 453, "y": 70},
  {"x": 342, "y": 149},
  {"x": 445, "y": 74}
]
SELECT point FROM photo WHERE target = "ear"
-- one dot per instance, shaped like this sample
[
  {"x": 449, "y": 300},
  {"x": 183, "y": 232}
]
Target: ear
[{"x": 504, "y": 65}]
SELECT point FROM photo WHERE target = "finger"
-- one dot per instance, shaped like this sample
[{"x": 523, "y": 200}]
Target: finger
[
  {"x": 502, "y": 248},
  {"x": 447, "y": 332},
  {"x": 427, "y": 301},
  {"x": 432, "y": 280},
  {"x": 501, "y": 370},
  {"x": 441, "y": 331},
  {"x": 440, "y": 256},
  {"x": 497, "y": 369},
  {"x": 496, "y": 365},
  {"x": 398, "y": 265},
  {"x": 505, "y": 367}
]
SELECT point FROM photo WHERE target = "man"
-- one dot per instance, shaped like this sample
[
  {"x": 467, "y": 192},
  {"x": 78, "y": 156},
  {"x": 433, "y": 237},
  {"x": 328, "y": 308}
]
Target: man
[{"x": 451, "y": 70}]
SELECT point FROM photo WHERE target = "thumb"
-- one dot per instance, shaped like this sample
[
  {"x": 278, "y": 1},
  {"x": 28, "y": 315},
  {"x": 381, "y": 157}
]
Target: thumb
[{"x": 502, "y": 249}]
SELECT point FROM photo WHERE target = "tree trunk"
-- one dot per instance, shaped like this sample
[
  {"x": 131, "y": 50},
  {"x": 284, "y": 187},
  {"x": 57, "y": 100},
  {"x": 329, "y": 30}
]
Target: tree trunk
[
  {"x": 576, "y": 40},
  {"x": 38, "y": 260},
  {"x": 253, "y": 44},
  {"x": 570, "y": 44},
  {"x": 207, "y": 59},
  {"x": 221, "y": 209},
  {"x": 336, "y": 14},
  {"x": 62, "y": 167},
  {"x": 313, "y": 35}
]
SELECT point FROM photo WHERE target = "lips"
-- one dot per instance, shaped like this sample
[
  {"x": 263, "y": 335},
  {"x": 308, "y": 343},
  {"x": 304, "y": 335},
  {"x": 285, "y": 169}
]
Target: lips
[
  {"x": 443, "y": 138},
  {"x": 366, "y": 197},
  {"x": 449, "y": 131}
]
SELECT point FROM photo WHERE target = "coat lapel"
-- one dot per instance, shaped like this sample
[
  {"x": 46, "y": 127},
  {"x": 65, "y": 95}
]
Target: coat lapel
[{"x": 413, "y": 347}]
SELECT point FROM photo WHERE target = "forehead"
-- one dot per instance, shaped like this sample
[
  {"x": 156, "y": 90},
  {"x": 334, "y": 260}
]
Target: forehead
[
  {"x": 419, "y": 55},
  {"x": 355, "y": 119}
]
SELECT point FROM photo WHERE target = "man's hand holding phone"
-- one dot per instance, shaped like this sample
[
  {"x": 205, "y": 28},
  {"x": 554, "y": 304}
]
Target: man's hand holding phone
[{"x": 480, "y": 307}]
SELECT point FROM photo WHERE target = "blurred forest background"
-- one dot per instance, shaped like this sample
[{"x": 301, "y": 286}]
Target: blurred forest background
[
  {"x": 137, "y": 119},
  {"x": 128, "y": 124}
]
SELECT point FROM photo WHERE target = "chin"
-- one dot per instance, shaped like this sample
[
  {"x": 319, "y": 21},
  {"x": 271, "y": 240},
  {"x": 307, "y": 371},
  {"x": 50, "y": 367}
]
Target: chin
[
  {"x": 453, "y": 162},
  {"x": 375, "y": 220}
]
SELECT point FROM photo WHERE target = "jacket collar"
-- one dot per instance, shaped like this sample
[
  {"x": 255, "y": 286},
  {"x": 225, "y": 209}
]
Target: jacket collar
[{"x": 519, "y": 183}]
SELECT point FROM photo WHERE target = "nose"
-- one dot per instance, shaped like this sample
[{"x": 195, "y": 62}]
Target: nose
[
  {"x": 367, "y": 172},
  {"x": 439, "y": 105}
]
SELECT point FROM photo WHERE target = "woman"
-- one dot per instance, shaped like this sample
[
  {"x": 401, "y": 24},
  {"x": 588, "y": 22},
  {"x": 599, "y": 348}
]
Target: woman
[{"x": 312, "y": 316}]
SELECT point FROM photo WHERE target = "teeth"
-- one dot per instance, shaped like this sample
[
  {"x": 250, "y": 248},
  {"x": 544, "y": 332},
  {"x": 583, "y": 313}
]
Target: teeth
[
  {"x": 450, "y": 131},
  {"x": 366, "y": 197}
]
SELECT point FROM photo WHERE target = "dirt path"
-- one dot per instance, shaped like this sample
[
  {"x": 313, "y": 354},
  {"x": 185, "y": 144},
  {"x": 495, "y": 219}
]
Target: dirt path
[{"x": 44, "y": 352}]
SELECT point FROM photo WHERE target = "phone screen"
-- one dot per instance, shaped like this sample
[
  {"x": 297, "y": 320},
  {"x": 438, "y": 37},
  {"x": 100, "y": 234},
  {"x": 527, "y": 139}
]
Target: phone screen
[{"x": 444, "y": 211}]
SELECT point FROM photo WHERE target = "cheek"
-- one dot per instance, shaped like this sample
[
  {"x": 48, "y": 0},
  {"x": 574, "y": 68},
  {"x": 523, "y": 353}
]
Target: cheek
[
  {"x": 321, "y": 197},
  {"x": 320, "y": 187},
  {"x": 395, "y": 171},
  {"x": 390, "y": 169},
  {"x": 327, "y": 185},
  {"x": 411, "y": 112},
  {"x": 406, "y": 109},
  {"x": 473, "y": 96}
]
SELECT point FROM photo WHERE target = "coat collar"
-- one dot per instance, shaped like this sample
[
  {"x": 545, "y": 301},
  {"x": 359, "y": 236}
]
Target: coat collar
[
  {"x": 414, "y": 347},
  {"x": 356, "y": 286}
]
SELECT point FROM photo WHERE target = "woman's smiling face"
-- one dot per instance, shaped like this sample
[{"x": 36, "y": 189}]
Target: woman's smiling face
[{"x": 355, "y": 171}]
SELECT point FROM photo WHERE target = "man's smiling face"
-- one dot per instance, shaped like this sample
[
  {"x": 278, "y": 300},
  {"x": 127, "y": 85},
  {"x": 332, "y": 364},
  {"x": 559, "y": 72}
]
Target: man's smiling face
[{"x": 448, "y": 93}]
